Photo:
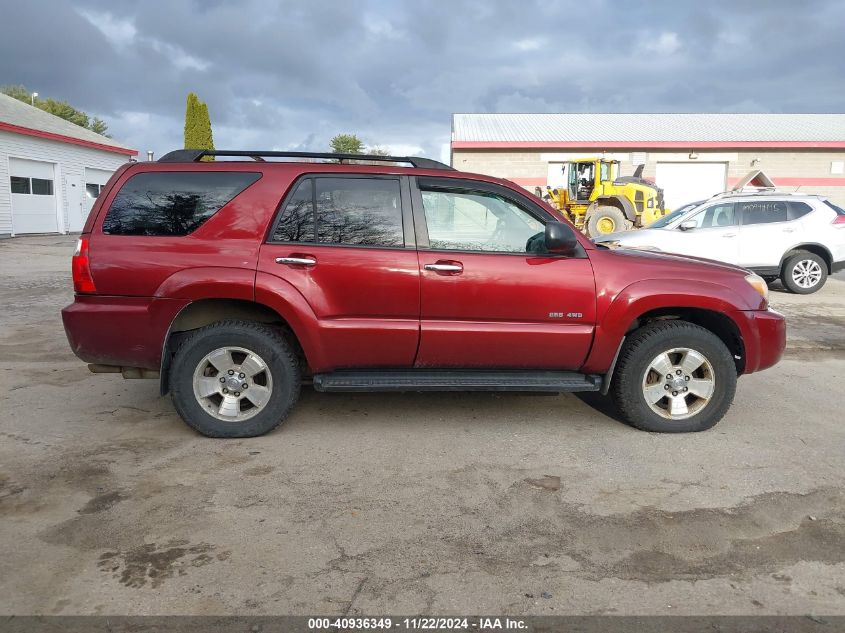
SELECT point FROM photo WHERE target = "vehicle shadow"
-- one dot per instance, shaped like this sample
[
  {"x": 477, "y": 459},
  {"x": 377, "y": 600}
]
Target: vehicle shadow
[
  {"x": 777, "y": 286},
  {"x": 602, "y": 404},
  {"x": 449, "y": 408}
]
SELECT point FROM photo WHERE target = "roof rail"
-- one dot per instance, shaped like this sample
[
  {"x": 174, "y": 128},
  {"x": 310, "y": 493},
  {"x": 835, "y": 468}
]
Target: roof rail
[
  {"x": 756, "y": 191},
  {"x": 194, "y": 155}
]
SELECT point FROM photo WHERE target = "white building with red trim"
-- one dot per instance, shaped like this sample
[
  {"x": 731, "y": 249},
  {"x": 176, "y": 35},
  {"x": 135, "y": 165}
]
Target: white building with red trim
[
  {"x": 691, "y": 156},
  {"x": 51, "y": 170}
]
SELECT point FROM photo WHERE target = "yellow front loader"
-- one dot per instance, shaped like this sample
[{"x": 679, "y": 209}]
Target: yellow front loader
[{"x": 599, "y": 201}]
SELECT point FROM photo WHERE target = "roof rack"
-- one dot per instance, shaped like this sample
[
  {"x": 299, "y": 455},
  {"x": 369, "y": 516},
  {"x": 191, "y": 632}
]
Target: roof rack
[{"x": 194, "y": 155}]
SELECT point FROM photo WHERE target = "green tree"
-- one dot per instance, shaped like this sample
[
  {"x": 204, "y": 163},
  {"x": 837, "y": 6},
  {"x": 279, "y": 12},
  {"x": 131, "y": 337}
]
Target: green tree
[
  {"x": 378, "y": 150},
  {"x": 198, "y": 126},
  {"x": 21, "y": 93},
  {"x": 347, "y": 144},
  {"x": 59, "y": 108},
  {"x": 99, "y": 126}
]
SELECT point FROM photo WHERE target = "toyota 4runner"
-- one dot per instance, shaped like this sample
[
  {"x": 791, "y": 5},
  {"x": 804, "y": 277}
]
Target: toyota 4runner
[{"x": 236, "y": 281}]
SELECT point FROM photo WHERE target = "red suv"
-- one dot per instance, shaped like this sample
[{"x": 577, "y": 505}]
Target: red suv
[{"x": 235, "y": 281}]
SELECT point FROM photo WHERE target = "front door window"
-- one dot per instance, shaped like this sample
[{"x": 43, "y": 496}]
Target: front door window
[{"x": 478, "y": 222}]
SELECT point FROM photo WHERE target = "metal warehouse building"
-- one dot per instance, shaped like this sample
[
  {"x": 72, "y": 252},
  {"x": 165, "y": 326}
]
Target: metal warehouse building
[
  {"x": 51, "y": 170},
  {"x": 691, "y": 156}
]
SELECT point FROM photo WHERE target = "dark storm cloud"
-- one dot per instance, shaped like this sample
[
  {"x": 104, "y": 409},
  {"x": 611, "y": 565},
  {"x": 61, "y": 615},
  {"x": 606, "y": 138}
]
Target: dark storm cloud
[{"x": 293, "y": 74}]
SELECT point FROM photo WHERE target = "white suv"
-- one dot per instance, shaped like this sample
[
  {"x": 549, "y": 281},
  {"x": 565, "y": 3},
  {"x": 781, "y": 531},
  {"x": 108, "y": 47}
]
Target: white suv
[{"x": 798, "y": 238}]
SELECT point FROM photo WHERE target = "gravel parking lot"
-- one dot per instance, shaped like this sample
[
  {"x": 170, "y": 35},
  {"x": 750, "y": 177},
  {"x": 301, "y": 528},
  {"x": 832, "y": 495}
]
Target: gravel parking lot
[{"x": 448, "y": 504}]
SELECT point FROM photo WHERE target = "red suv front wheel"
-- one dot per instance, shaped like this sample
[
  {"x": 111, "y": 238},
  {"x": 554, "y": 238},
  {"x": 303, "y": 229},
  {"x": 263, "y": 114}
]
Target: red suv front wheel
[{"x": 674, "y": 377}]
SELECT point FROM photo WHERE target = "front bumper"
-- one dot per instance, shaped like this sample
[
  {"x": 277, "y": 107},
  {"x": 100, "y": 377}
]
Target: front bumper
[{"x": 764, "y": 336}]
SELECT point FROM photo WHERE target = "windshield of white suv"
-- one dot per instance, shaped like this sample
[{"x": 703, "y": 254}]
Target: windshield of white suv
[{"x": 674, "y": 215}]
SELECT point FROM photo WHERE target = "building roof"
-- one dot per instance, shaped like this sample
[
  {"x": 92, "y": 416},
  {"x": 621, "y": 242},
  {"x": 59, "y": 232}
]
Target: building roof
[
  {"x": 22, "y": 118},
  {"x": 648, "y": 130}
]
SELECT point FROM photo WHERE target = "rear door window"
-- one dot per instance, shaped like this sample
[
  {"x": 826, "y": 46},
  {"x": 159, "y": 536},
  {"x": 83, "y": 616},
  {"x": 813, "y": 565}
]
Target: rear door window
[
  {"x": 359, "y": 211},
  {"x": 764, "y": 211},
  {"x": 296, "y": 222},
  {"x": 343, "y": 210},
  {"x": 172, "y": 203}
]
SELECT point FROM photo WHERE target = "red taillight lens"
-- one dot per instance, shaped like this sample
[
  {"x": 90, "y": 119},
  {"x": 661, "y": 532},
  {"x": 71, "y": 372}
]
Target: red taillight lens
[
  {"x": 839, "y": 219},
  {"x": 82, "y": 279}
]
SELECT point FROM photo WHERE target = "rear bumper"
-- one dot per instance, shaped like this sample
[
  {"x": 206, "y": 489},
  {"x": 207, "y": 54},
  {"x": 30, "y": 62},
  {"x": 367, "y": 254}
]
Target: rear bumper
[
  {"x": 122, "y": 331},
  {"x": 764, "y": 337}
]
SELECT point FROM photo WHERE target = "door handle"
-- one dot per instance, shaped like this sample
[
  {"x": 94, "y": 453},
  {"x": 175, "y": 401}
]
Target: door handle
[
  {"x": 789, "y": 230},
  {"x": 304, "y": 260},
  {"x": 729, "y": 235},
  {"x": 443, "y": 267}
]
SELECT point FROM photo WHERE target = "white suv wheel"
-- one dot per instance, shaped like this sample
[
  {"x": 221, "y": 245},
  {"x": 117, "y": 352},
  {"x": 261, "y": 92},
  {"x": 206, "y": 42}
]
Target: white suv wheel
[{"x": 804, "y": 272}]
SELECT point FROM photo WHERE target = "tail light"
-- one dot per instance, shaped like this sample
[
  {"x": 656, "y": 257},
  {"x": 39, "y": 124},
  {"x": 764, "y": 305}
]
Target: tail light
[
  {"x": 81, "y": 266},
  {"x": 839, "y": 219}
]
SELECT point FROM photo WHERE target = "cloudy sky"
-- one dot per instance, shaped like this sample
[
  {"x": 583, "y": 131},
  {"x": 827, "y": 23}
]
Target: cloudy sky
[{"x": 291, "y": 74}]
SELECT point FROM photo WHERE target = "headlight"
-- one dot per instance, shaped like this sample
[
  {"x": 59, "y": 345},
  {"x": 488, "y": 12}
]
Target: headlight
[{"x": 759, "y": 284}]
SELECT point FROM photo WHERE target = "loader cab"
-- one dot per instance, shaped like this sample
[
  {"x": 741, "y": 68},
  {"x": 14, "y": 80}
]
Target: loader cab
[
  {"x": 582, "y": 180},
  {"x": 588, "y": 178}
]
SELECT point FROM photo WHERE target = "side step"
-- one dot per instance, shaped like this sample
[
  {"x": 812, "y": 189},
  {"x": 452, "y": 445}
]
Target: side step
[{"x": 456, "y": 380}]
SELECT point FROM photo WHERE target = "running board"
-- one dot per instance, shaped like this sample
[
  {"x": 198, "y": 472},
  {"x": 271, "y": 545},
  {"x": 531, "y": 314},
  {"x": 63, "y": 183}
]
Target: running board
[{"x": 456, "y": 380}]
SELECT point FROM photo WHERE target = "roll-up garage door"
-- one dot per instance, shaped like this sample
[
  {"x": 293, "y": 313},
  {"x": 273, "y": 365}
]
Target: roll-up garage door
[
  {"x": 688, "y": 182},
  {"x": 33, "y": 196}
]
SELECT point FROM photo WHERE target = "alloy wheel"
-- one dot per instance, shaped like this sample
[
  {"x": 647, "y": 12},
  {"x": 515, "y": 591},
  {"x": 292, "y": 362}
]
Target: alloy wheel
[
  {"x": 232, "y": 383},
  {"x": 806, "y": 273},
  {"x": 678, "y": 383}
]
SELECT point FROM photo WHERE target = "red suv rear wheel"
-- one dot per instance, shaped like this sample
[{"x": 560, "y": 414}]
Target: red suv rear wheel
[{"x": 234, "y": 379}]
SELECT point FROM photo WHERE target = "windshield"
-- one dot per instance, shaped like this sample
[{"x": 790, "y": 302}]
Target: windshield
[{"x": 667, "y": 219}]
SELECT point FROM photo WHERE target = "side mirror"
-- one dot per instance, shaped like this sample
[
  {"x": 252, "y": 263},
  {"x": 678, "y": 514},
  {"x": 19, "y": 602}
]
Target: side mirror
[
  {"x": 688, "y": 225},
  {"x": 560, "y": 239}
]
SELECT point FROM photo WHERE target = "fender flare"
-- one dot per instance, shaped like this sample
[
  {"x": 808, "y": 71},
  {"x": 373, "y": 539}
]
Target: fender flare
[
  {"x": 803, "y": 247},
  {"x": 209, "y": 282},
  {"x": 284, "y": 298},
  {"x": 265, "y": 290},
  {"x": 646, "y": 296}
]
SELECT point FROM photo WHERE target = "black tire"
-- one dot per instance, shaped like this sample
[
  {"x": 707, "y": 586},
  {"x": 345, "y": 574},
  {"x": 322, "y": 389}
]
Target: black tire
[
  {"x": 636, "y": 356},
  {"x": 793, "y": 262},
  {"x": 265, "y": 341},
  {"x": 606, "y": 213}
]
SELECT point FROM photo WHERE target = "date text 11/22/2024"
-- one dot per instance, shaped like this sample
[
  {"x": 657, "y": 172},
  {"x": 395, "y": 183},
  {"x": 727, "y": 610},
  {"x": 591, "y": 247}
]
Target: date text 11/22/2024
[{"x": 418, "y": 624}]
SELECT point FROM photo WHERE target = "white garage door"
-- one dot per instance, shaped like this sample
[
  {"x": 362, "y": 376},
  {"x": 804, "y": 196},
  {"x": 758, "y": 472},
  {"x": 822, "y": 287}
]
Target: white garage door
[
  {"x": 688, "y": 182},
  {"x": 33, "y": 196}
]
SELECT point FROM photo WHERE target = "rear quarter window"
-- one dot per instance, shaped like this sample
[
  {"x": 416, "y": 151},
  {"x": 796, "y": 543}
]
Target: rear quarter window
[{"x": 172, "y": 203}]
